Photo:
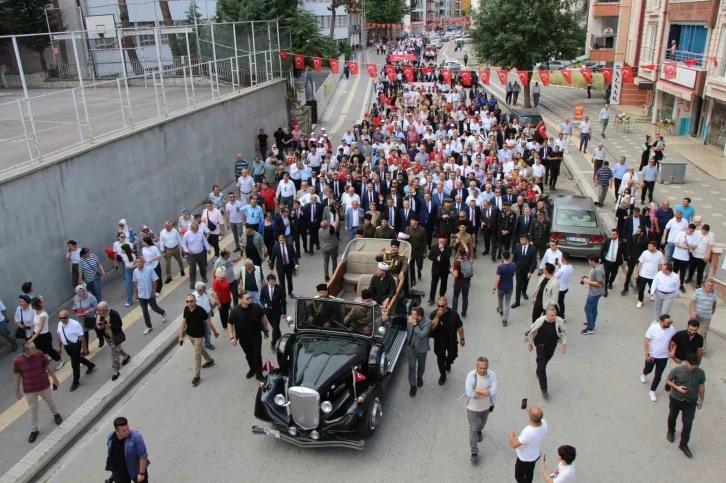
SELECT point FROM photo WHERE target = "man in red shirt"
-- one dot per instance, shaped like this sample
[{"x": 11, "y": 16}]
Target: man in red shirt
[
  {"x": 268, "y": 195},
  {"x": 32, "y": 368}
]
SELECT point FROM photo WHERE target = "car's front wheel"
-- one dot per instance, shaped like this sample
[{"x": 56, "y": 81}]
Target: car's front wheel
[{"x": 373, "y": 413}]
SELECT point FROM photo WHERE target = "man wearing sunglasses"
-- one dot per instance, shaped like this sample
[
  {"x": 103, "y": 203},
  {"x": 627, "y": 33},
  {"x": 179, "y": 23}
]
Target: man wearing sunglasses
[
  {"x": 246, "y": 323},
  {"x": 445, "y": 325},
  {"x": 193, "y": 321}
]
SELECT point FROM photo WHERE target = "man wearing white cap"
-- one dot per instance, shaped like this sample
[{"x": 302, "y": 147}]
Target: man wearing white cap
[{"x": 382, "y": 286}]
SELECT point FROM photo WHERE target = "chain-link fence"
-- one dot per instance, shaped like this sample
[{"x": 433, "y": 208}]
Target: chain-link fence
[{"x": 80, "y": 89}]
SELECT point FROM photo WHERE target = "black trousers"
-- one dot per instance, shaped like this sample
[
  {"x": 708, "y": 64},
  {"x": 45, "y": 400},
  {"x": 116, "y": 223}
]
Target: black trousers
[
  {"x": 274, "y": 320},
  {"x": 199, "y": 259},
  {"x": 611, "y": 271},
  {"x": 485, "y": 235},
  {"x": 296, "y": 239},
  {"x": 524, "y": 471},
  {"x": 537, "y": 311},
  {"x": 416, "y": 266},
  {"x": 629, "y": 274},
  {"x": 214, "y": 242},
  {"x": 616, "y": 185},
  {"x": 44, "y": 343},
  {"x": 688, "y": 411},
  {"x": 253, "y": 353},
  {"x": 647, "y": 187},
  {"x": 504, "y": 242},
  {"x": 314, "y": 238},
  {"x": 522, "y": 283},
  {"x": 508, "y": 98},
  {"x": 659, "y": 365},
  {"x": 554, "y": 174},
  {"x": 642, "y": 282},
  {"x": 697, "y": 265},
  {"x": 515, "y": 96},
  {"x": 561, "y": 303},
  {"x": 74, "y": 352},
  {"x": 116, "y": 478},
  {"x": 680, "y": 267},
  {"x": 544, "y": 354},
  {"x": 234, "y": 289},
  {"x": 157, "y": 270},
  {"x": 224, "y": 313},
  {"x": 446, "y": 350},
  {"x": 286, "y": 274},
  {"x": 435, "y": 278}
]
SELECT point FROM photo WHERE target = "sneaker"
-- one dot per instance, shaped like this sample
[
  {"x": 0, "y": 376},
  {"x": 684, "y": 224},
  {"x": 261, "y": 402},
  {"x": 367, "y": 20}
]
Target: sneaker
[
  {"x": 158, "y": 294},
  {"x": 163, "y": 317},
  {"x": 463, "y": 315},
  {"x": 504, "y": 323},
  {"x": 147, "y": 330},
  {"x": 58, "y": 419},
  {"x": 209, "y": 346},
  {"x": 652, "y": 395},
  {"x": 195, "y": 381},
  {"x": 60, "y": 365},
  {"x": 639, "y": 304},
  {"x": 129, "y": 304},
  {"x": 474, "y": 458},
  {"x": 480, "y": 436},
  {"x": 126, "y": 361},
  {"x": 587, "y": 332},
  {"x": 643, "y": 379}
]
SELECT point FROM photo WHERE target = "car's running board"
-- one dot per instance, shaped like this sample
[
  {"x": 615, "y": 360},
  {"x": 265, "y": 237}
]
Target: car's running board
[
  {"x": 304, "y": 442},
  {"x": 396, "y": 349}
]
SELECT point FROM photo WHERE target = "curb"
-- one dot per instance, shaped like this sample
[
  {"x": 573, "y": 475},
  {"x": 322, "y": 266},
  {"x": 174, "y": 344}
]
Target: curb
[{"x": 44, "y": 454}]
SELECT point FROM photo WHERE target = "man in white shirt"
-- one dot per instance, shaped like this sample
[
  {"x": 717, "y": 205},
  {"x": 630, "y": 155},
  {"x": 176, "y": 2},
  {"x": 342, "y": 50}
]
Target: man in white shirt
[
  {"x": 72, "y": 338},
  {"x": 565, "y": 471},
  {"x": 584, "y": 134},
  {"x": 481, "y": 389},
  {"x": 233, "y": 213},
  {"x": 286, "y": 191},
  {"x": 657, "y": 349},
  {"x": 663, "y": 290},
  {"x": 170, "y": 246},
  {"x": 527, "y": 445},
  {"x": 701, "y": 254},
  {"x": 674, "y": 226},
  {"x": 563, "y": 274},
  {"x": 348, "y": 197},
  {"x": 605, "y": 114},
  {"x": 211, "y": 216},
  {"x": 649, "y": 264},
  {"x": 683, "y": 243},
  {"x": 561, "y": 142},
  {"x": 245, "y": 183}
]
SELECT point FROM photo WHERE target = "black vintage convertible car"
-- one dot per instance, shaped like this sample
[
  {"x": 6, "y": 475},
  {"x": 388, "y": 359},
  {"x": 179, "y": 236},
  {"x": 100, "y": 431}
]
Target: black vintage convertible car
[{"x": 328, "y": 389}]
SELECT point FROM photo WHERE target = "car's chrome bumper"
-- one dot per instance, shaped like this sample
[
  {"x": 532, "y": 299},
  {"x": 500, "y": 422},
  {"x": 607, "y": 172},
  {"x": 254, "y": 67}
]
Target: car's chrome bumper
[{"x": 305, "y": 442}]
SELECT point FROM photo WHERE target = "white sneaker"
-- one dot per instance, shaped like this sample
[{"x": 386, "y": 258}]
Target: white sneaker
[
  {"x": 163, "y": 317},
  {"x": 639, "y": 304},
  {"x": 129, "y": 305},
  {"x": 147, "y": 330},
  {"x": 60, "y": 365},
  {"x": 652, "y": 395},
  {"x": 643, "y": 378},
  {"x": 158, "y": 295}
]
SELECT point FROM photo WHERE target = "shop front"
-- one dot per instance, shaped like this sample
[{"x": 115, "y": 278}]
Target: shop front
[
  {"x": 675, "y": 107},
  {"x": 717, "y": 125}
]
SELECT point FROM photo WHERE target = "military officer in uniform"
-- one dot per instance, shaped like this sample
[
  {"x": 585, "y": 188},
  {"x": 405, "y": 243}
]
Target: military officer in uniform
[
  {"x": 322, "y": 312},
  {"x": 463, "y": 239},
  {"x": 397, "y": 263},
  {"x": 385, "y": 231},
  {"x": 539, "y": 233},
  {"x": 360, "y": 317},
  {"x": 369, "y": 229},
  {"x": 447, "y": 217},
  {"x": 507, "y": 223},
  {"x": 417, "y": 238}
]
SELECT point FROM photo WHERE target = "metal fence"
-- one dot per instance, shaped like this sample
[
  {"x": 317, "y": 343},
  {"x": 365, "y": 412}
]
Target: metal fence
[{"x": 97, "y": 89}]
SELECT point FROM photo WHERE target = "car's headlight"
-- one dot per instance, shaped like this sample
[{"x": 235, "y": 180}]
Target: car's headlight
[
  {"x": 280, "y": 400},
  {"x": 326, "y": 407}
]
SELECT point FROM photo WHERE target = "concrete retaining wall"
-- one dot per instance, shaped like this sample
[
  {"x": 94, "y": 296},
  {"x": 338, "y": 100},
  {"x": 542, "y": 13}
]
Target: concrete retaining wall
[{"x": 146, "y": 177}]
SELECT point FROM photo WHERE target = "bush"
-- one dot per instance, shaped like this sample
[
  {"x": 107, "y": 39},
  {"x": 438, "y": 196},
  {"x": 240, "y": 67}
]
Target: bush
[{"x": 556, "y": 79}]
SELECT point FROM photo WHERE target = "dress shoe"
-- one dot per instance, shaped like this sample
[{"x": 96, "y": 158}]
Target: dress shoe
[
  {"x": 499, "y": 311},
  {"x": 605, "y": 294},
  {"x": 545, "y": 394},
  {"x": 168, "y": 280},
  {"x": 610, "y": 285},
  {"x": 485, "y": 252},
  {"x": 33, "y": 436},
  {"x": 90, "y": 369},
  {"x": 126, "y": 361},
  {"x": 208, "y": 364},
  {"x": 479, "y": 436},
  {"x": 474, "y": 458},
  {"x": 442, "y": 379},
  {"x": 504, "y": 323},
  {"x": 412, "y": 392},
  {"x": 525, "y": 296},
  {"x": 686, "y": 450},
  {"x": 671, "y": 436},
  {"x": 101, "y": 342},
  {"x": 74, "y": 386},
  {"x": 463, "y": 315},
  {"x": 430, "y": 301},
  {"x": 209, "y": 346},
  {"x": 195, "y": 381},
  {"x": 182, "y": 273},
  {"x": 514, "y": 305},
  {"x": 419, "y": 382},
  {"x": 250, "y": 375},
  {"x": 688, "y": 280},
  {"x": 624, "y": 292},
  {"x": 58, "y": 419},
  {"x": 419, "y": 275},
  {"x": 683, "y": 289},
  {"x": 448, "y": 367}
]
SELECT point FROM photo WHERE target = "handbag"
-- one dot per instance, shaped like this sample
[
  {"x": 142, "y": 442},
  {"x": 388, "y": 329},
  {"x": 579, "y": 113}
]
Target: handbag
[
  {"x": 212, "y": 226},
  {"x": 119, "y": 338}
]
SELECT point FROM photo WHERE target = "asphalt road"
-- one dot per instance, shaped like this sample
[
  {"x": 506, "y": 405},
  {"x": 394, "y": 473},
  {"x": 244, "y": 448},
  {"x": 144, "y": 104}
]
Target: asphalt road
[{"x": 596, "y": 403}]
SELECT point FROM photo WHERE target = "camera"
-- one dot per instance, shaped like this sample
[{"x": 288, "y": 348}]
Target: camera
[{"x": 335, "y": 206}]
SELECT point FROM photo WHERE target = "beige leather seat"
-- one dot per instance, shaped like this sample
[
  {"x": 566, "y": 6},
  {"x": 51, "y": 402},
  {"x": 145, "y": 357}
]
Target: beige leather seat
[{"x": 360, "y": 268}]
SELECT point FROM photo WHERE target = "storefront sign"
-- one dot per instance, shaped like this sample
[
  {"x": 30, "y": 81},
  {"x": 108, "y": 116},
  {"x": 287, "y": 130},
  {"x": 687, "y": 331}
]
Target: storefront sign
[
  {"x": 674, "y": 91},
  {"x": 616, "y": 88},
  {"x": 579, "y": 112}
]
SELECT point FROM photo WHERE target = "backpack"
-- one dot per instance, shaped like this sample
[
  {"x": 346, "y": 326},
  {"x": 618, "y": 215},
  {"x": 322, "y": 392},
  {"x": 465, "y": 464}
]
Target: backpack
[{"x": 467, "y": 269}]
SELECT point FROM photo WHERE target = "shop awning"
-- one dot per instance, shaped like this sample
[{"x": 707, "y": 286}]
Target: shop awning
[{"x": 674, "y": 90}]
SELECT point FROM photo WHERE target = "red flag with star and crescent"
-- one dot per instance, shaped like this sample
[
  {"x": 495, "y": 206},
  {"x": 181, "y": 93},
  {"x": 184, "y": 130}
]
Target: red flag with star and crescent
[
  {"x": 447, "y": 75},
  {"x": 353, "y": 67},
  {"x": 283, "y": 55},
  {"x": 541, "y": 130},
  {"x": 466, "y": 78},
  {"x": 427, "y": 70},
  {"x": 607, "y": 75},
  {"x": 408, "y": 73},
  {"x": 627, "y": 72},
  {"x": 567, "y": 74},
  {"x": 372, "y": 70},
  {"x": 299, "y": 61},
  {"x": 587, "y": 75},
  {"x": 690, "y": 62},
  {"x": 670, "y": 70},
  {"x": 390, "y": 72},
  {"x": 317, "y": 64},
  {"x": 503, "y": 76},
  {"x": 334, "y": 66},
  {"x": 358, "y": 377},
  {"x": 544, "y": 76},
  {"x": 484, "y": 76},
  {"x": 523, "y": 78}
]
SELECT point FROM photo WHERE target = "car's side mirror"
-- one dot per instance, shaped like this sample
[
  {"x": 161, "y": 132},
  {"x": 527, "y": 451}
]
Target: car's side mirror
[{"x": 289, "y": 320}]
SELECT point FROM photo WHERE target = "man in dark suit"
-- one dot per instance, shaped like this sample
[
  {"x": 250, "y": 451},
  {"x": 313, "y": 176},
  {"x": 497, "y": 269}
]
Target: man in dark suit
[
  {"x": 525, "y": 263},
  {"x": 440, "y": 256},
  {"x": 297, "y": 225},
  {"x": 392, "y": 213},
  {"x": 396, "y": 197},
  {"x": 508, "y": 197},
  {"x": 524, "y": 223},
  {"x": 414, "y": 200},
  {"x": 378, "y": 186},
  {"x": 612, "y": 257},
  {"x": 459, "y": 190},
  {"x": 284, "y": 259},
  {"x": 405, "y": 215},
  {"x": 427, "y": 217},
  {"x": 368, "y": 196},
  {"x": 438, "y": 197},
  {"x": 458, "y": 204},
  {"x": 632, "y": 222},
  {"x": 337, "y": 186},
  {"x": 272, "y": 299},
  {"x": 313, "y": 215},
  {"x": 490, "y": 228},
  {"x": 634, "y": 247},
  {"x": 320, "y": 185}
]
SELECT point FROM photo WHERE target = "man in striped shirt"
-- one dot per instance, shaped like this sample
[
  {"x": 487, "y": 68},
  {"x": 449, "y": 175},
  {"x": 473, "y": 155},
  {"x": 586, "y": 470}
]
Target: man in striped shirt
[
  {"x": 32, "y": 367},
  {"x": 603, "y": 181},
  {"x": 91, "y": 271}
]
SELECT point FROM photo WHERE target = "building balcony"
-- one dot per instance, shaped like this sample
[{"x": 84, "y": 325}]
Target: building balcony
[
  {"x": 599, "y": 2},
  {"x": 603, "y": 42},
  {"x": 689, "y": 60}
]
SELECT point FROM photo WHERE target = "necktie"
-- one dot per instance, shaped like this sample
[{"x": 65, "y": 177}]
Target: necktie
[
  {"x": 370, "y": 198},
  {"x": 472, "y": 215},
  {"x": 407, "y": 214},
  {"x": 489, "y": 213},
  {"x": 390, "y": 217},
  {"x": 312, "y": 212},
  {"x": 428, "y": 206},
  {"x": 524, "y": 250},
  {"x": 284, "y": 255},
  {"x": 336, "y": 189},
  {"x": 526, "y": 220}
]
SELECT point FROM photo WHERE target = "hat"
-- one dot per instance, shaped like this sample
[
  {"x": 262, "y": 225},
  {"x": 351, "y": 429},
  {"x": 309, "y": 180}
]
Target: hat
[
  {"x": 144, "y": 227},
  {"x": 507, "y": 203},
  {"x": 442, "y": 236},
  {"x": 383, "y": 266},
  {"x": 321, "y": 286},
  {"x": 448, "y": 200},
  {"x": 396, "y": 243},
  {"x": 185, "y": 211}
]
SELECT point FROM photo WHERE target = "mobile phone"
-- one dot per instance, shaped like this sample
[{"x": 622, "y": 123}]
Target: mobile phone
[
  {"x": 181, "y": 343},
  {"x": 524, "y": 403}
]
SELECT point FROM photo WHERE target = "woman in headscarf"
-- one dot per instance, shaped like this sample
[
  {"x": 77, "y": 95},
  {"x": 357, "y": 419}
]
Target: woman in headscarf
[
  {"x": 24, "y": 316},
  {"x": 84, "y": 306},
  {"x": 131, "y": 236},
  {"x": 185, "y": 221},
  {"x": 41, "y": 335},
  {"x": 130, "y": 263}
]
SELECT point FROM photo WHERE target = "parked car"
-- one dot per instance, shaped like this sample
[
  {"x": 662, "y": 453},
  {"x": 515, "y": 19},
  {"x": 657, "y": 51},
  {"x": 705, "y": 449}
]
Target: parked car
[
  {"x": 579, "y": 61},
  {"x": 558, "y": 64},
  {"x": 527, "y": 115},
  {"x": 466, "y": 39},
  {"x": 593, "y": 65},
  {"x": 451, "y": 64},
  {"x": 575, "y": 224},
  {"x": 329, "y": 388}
]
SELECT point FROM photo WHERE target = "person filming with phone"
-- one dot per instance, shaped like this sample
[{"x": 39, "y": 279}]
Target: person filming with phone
[
  {"x": 565, "y": 471},
  {"x": 527, "y": 444}
]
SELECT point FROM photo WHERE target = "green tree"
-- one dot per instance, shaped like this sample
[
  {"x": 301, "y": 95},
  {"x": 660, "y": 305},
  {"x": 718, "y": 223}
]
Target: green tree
[
  {"x": 334, "y": 4},
  {"x": 387, "y": 11},
  {"x": 28, "y": 17},
  {"x": 519, "y": 33},
  {"x": 242, "y": 10}
]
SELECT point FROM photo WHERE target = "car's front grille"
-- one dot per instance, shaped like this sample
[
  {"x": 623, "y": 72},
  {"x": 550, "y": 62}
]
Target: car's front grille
[{"x": 305, "y": 406}]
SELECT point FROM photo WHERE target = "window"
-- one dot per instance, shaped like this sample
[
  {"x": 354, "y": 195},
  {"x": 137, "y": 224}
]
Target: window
[
  {"x": 721, "y": 69},
  {"x": 649, "y": 44},
  {"x": 104, "y": 44},
  {"x": 576, "y": 218},
  {"x": 690, "y": 43}
]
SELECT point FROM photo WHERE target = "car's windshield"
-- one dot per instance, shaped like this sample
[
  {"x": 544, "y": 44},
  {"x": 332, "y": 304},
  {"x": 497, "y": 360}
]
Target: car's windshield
[
  {"x": 337, "y": 315},
  {"x": 576, "y": 218}
]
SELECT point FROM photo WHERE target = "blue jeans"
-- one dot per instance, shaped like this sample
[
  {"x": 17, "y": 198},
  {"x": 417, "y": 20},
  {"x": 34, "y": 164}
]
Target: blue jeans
[
  {"x": 464, "y": 291},
  {"x": 129, "y": 282},
  {"x": 207, "y": 335},
  {"x": 591, "y": 310},
  {"x": 669, "y": 252},
  {"x": 95, "y": 288},
  {"x": 145, "y": 303}
]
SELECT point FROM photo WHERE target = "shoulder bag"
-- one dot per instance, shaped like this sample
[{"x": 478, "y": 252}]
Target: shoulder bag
[
  {"x": 119, "y": 338},
  {"x": 212, "y": 226},
  {"x": 71, "y": 346}
]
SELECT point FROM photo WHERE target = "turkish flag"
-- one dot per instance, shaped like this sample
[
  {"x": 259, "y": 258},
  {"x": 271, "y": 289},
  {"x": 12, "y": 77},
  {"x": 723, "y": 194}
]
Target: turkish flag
[
  {"x": 283, "y": 55},
  {"x": 358, "y": 377},
  {"x": 690, "y": 62},
  {"x": 408, "y": 73},
  {"x": 503, "y": 76},
  {"x": 466, "y": 78},
  {"x": 299, "y": 61},
  {"x": 372, "y": 69},
  {"x": 447, "y": 74},
  {"x": 567, "y": 74},
  {"x": 544, "y": 76},
  {"x": 627, "y": 72},
  {"x": 523, "y": 78},
  {"x": 541, "y": 130},
  {"x": 391, "y": 72},
  {"x": 607, "y": 75},
  {"x": 648, "y": 67},
  {"x": 587, "y": 75},
  {"x": 317, "y": 64},
  {"x": 670, "y": 70},
  {"x": 353, "y": 67},
  {"x": 484, "y": 76},
  {"x": 427, "y": 70},
  {"x": 334, "y": 66}
]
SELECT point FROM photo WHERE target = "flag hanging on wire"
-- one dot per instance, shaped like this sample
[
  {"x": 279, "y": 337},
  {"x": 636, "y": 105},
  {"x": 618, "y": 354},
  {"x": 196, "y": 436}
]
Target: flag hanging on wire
[
  {"x": 567, "y": 74},
  {"x": 334, "y": 66},
  {"x": 317, "y": 64}
]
